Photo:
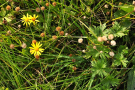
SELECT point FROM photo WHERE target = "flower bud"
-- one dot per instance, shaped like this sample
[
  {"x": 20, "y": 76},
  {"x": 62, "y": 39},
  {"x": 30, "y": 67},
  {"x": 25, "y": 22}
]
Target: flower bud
[
  {"x": 113, "y": 43},
  {"x": 100, "y": 39},
  {"x": 104, "y": 38},
  {"x": 47, "y": 4},
  {"x": 8, "y": 7},
  {"x": 73, "y": 60},
  {"x": 70, "y": 55},
  {"x": 42, "y": 34},
  {"x": 54, "y": 4},
  {"x": 36, "y": 56},
  {"x": 61, "y": 33},
  {"x": 101, "y": 51},
  {"x": 34, "y": 41},
  {"x": 17, "y": 9},
  {"x": 58, "y": 28},
  {"x": 111, "y": 54},
  {"x": 37, "y": 9},
  {"x": 80, "y": 40},
  {"x": 110, "y": 36},
  {"x": 54, "y": 37},
  {"x": 12, "y": 46},
  {"x": 42, "y": 8},
  {"x": 94, "y": 47},
  {"x": 74, "y": 68}
]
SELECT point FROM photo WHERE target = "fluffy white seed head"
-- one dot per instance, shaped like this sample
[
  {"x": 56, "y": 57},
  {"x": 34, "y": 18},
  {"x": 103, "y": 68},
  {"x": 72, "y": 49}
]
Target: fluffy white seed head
[
  {"x": 104, "y": 38},
  {"x": 113, "y": 43},
  {"x": 111, "y": 54},
  {"x": 110, "y": 36},
  {"x": 80, "y": 40}
]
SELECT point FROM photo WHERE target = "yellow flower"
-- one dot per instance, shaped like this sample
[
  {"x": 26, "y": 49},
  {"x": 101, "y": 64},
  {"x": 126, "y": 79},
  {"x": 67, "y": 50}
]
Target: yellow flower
[
  {"x": 35, "y": 49},
  {"x": 26, "y": 20},
  {"x": 33, "y": 19}
]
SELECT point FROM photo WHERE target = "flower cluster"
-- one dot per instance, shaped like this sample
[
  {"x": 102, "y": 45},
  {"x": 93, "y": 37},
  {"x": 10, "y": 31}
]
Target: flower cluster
[{"x": 29, "y": 19}]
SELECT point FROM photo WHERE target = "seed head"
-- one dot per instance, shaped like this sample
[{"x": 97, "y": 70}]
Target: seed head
[
  {"x": 42, "y": 34},
  {"x": 66, "y": 34},
  {"x": 54, "y": 37},
  {"x": 110, "y": 36},
  {"x": 104, "y": 38},
  {"x": 24, "y": 45},
  {"x": 34, "y": 41},
  {"x": 12, "y": 46},
  {"x": 37, "y": 9},
  {"x": 113, "y": 43},
  {"x": 61, "y": 33},
  {"x": 111, "y": 54},
  {"x": 17, "y": 9},
  {"x": 42, "y": 8},
  {"x": 58, "y": 28},
  {"x": 80, "y": 40},
  {"x": 54, "y": 4},
  {"x": 106, "y": 6},
  {"x": 47, "y": 4},
  {"x": 8, "y": 32},
  {"x": 83, "y": 51},
  {"x": 84, "y": 17},
  {"x": 8, "y": 7},
  {"x": 19, "y": 26},
  {"x": 100, "y": 39}
]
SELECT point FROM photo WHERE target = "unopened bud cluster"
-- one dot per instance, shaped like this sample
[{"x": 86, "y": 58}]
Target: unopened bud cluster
[{"x": 110, "y": 37}]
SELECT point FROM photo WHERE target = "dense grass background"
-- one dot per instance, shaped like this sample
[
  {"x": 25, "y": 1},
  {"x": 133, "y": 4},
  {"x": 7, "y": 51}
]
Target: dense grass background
[{"x": 66, "y": 64}]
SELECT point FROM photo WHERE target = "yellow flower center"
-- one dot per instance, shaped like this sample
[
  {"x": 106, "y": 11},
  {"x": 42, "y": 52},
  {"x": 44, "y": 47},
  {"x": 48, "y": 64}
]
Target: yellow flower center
[
  {"x": 26, "y": 20},
  {"x": 36, "y": 49},
  {"x": 33, "y": 19}
]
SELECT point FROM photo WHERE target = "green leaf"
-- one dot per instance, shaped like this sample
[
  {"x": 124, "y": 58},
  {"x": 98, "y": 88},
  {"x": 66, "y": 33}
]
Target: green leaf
[
  {"x": 127, "y": 8},
  {"x": 131, "y": 80},
  {"x": 99, "y": 67},
  {"x": 2, "y": 12},
  {"x": 119, "y": 59}
]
